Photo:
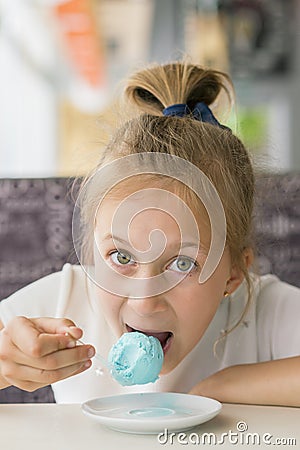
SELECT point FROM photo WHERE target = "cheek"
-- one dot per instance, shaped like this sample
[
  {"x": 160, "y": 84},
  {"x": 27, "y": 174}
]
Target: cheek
[
  {"x": 111, "y": 306},
  {"x": 198, "y": 313},
  {"x": 198, "y": 308}
]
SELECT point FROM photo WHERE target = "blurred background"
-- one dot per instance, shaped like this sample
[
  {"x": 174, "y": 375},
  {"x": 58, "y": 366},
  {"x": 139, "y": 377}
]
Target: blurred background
[{"x": 61, "y": 63}]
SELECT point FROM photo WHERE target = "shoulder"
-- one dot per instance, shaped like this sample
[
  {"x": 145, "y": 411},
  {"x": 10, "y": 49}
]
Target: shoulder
[
  {"x": 50, "y": 284},
  {"x": 270, "y": 291},
  {"x": 277, "y": 315},
  {"x": 44, "y": 297},
  {"x": 272, "y": 300}
]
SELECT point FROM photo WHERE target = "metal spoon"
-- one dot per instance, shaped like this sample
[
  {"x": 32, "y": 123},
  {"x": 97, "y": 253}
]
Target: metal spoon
[{"x": 99, "y": 370}]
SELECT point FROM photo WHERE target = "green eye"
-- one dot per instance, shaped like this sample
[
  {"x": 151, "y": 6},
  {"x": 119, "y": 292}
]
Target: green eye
[
  {"x": 182, "y": 264},
  {"x": 121, "y": 258}
]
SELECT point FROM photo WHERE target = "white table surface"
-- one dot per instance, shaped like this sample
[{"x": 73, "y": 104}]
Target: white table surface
[{"x": 64, "y": 427}]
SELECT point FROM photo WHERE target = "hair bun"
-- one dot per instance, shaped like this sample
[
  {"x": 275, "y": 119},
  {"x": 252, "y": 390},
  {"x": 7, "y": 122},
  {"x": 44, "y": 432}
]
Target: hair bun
[{"x": 160, "y": 86}]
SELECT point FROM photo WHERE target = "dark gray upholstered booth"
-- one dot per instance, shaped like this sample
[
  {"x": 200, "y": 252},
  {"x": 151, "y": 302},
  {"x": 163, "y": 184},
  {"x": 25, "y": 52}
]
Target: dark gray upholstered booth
[
  {"x": 35, "y": 240},
  {"x": 35, "y": 237}
]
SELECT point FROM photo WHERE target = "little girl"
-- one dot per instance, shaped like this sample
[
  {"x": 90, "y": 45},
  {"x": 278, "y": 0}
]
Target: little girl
[{"x": 166, "y": 250}]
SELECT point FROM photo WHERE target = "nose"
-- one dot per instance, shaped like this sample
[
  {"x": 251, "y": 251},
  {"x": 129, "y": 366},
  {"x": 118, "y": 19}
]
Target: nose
[
  {"x": 147, "y": 306},
  {"x": 148, "y": 301}
]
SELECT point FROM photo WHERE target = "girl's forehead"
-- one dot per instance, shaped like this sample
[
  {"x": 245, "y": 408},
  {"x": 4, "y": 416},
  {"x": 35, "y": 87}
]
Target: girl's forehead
[
  {"x": 146, "y": 209},
  {"x": 154, "y": 198},
  {"x": 157, "y": 189}
]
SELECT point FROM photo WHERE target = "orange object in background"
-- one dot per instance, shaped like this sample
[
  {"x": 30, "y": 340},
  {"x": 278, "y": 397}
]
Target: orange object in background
[{"x": 80, "y": 33}]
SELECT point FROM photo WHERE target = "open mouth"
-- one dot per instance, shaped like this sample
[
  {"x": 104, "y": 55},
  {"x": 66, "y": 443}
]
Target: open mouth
[{"x": 164, "y": 337}]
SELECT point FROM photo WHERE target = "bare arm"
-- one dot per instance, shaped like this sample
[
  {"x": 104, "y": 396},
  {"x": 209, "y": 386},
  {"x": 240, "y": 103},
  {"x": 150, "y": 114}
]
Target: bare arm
[
  {"x": 3, "y": 382},
  {"x": 268, "y": 383}
]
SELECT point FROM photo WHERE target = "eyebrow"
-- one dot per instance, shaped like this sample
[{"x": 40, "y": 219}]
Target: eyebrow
[{"x": 190, "y": 244}]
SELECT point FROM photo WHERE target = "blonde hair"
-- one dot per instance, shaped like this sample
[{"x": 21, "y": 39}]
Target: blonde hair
[{"x": 217, "y": 152}]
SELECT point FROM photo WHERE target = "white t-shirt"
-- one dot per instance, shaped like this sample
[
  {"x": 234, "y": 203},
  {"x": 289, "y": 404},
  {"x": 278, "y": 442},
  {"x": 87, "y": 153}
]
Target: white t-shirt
[{"x": 270, "y": 330}]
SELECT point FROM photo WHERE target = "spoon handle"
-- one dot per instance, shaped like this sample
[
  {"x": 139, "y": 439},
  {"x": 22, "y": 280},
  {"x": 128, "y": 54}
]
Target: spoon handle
[{"x": 97, "y": 356}]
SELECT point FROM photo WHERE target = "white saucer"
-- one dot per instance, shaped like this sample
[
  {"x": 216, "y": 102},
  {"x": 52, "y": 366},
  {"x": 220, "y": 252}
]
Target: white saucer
[{"x": 147, "y": 413}]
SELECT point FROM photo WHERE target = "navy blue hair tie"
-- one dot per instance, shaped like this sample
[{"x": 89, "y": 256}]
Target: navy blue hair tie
[
  {"x": 200, "y": 112},
  {"x": 179, "y": 110}
]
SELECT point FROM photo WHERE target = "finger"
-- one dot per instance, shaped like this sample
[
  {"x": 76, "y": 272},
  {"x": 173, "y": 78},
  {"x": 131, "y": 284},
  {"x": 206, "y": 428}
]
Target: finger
[
  {"x": 35, "y": 341},
  {"x": 58, "y": 326},
  {"x": 52, "y": 361},
  {"x": 65, "y": 358},
  {"x": 30, "y": 379}
]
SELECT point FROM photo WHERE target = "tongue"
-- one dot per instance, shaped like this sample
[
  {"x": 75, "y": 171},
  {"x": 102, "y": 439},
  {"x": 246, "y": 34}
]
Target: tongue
[{"x": 162, "y": 337}]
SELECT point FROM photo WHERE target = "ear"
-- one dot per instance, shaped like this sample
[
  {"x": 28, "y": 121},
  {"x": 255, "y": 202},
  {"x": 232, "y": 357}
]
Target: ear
[
  {"x": 236, "y": 273},
  {"x": 248, "y": 256}
]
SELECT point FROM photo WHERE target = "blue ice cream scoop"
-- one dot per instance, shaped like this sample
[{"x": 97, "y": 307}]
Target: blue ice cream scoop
[{"x": 136, "y": 359}]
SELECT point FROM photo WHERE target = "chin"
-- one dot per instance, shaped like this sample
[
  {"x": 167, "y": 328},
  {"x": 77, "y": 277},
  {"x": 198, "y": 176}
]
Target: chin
[{"x": 168, "y": 366}]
